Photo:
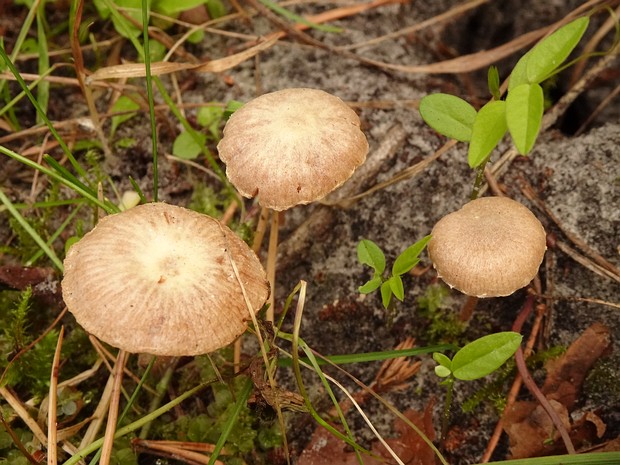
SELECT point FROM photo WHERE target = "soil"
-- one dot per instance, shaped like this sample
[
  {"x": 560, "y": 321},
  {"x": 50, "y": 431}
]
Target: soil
[{"x": 571, "y": 182}]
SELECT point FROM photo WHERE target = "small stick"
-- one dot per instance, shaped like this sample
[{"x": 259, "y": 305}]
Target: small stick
[
  {"x": 516, "y": 385},
  {"x": 533, "y": 388},
  {"x": 52, "y": 426},
  {"x": 106, "y": 448}
]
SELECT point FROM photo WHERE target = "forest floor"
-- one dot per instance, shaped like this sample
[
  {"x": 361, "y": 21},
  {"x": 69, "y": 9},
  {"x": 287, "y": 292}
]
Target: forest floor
[{"x": 571, "y": 182}]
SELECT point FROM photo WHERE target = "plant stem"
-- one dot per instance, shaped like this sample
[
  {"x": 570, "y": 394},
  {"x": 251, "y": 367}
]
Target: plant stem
[
  {"x": 445, "y": 420},
  {"x": 479, "y": 179}
]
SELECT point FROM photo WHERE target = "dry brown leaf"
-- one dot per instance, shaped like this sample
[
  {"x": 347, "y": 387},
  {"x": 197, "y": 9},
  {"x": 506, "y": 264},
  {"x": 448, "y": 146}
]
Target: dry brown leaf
[
  {"x": 326, "y": 449},
  {"x": 528, "y": 426},
  {"x": 566, "y": 374}
]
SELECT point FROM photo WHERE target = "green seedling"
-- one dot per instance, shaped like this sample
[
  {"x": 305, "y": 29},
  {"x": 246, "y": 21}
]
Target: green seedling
[
  {"x": 520, "y": 113},
  {"x": 127, "y": 107},
  {"x": 475, "y": 360},
  {"x": 369, "y": 253}
]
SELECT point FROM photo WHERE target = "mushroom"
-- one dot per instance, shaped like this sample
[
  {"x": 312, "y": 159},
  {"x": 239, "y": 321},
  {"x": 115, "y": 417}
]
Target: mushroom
[
  {"x": 159, "y": 279},
  {"x": 491, "y": 247},
  {"x": 162, "y": 280},
  {"x": 292, "y": 147},
  {"x": 287, "y": 148}
]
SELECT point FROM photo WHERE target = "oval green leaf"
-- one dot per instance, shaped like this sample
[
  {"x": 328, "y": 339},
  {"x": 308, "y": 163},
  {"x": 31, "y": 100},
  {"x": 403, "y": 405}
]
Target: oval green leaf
[
  {"x": 551, "y": 52},
  {"x": 369, "y": 253},
  {"x": 186, "y": 147},
  {"x": 386, "y": 294},
  {"x": 442, "y": 359},
  {"x": 524, "y": 112},
  {"x": 409, "y": 257},
  {"x": 372, "y": 285},
  {"x": 396, "y": 285},
  {"x": 448, "y": 115},
  {"x": 442, "y": 371},
  {"x": 489, "y": 128},
  {"x": 518, "y": 75},
  {"x": 485, "y": 355}
]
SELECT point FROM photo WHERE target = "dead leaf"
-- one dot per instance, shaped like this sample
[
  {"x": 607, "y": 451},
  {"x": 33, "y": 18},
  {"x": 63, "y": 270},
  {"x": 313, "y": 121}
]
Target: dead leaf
[
  {"x": 326, "y": 449},
  {"x": 566, "y": 374},
  {"x": 529, "y": 428}
]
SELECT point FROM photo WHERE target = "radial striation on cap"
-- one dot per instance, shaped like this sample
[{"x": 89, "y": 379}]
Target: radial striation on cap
[
  {"x": 491, "y": 247},
  {"x": 292, "y": 147},
  {"x": 159, "y": 279}
]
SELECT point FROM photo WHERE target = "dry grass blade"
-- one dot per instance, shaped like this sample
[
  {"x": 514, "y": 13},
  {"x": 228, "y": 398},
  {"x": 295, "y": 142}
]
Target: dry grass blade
[
  {"x": 188, "y": 452},
  {"x": 106, "y": 449},
  {"x": 159, "y": 68},
  {"x": 443, "y": 17},
  {"x": 590, "y": 47},
  {"x": 52, "y": 430},
  {"x": 23, "y": 414}
]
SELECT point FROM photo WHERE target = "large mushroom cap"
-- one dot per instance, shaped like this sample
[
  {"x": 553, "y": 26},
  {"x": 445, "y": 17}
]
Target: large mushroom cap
[
  {"x": 489, "y": 248},
  {"x": 291, "y": 147},
  {"x": 159, "y": 279}
]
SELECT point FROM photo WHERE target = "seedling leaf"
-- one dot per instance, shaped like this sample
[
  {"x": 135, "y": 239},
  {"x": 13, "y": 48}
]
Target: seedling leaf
[
  {"x": 518, "y": 75},
  {"x": 371, "y": 285},
  {"x": 185, "y": 146},
  {"x": 551, "y": 52},
  {"x": 369, "y": 253},
  {"x": 442, "y": 371},
  {"x": 524, "y": 111},
  {"x": 448, "y": 115},
  {"x": 489, "y": 128},
  {"x": 123, "y": 104},
  {"x": 386, "y": 294},
  {"x": 396, "y": 285},
  {"x": 443, "y": 360},
  {"x": 493, "y": 82},
  {"x": 485, "y": 355},
  {"x": 409, "y": 257}
]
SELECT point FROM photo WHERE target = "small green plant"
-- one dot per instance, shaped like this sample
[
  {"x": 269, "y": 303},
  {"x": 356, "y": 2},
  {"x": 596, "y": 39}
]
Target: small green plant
[
  {"x": 475, "y": 360},
  {"x": 369, "y": 253},
  {"x": 522, "y": 110}
]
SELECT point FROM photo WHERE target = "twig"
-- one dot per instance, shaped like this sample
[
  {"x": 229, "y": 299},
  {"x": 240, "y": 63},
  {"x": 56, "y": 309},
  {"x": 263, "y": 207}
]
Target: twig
[
  {"x": 517, "y": 383},
  {"x": 23, "y": 414},
  {"x": 52, "y": 430},
  {"x": 106, "y": 448},
  {"x": 531, "y": 385}
]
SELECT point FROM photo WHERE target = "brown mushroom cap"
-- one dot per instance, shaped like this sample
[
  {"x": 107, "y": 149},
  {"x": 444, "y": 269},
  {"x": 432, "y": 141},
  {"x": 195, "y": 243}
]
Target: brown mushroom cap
[
  {"x": 158, "y": 279},
  {"x": 291, "y": 147},
  {"x": 489, "y": 248}
]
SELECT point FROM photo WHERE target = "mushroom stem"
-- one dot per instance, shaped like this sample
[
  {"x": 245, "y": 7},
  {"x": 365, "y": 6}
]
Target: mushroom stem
[
  {"x": 272, "y": 255},
  {"x": 106, "y": 448}
]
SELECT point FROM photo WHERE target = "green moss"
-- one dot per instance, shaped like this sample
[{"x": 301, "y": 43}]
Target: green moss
[
  {"x": 603, "y": 382},
  {"x": 444, "y": 325}
]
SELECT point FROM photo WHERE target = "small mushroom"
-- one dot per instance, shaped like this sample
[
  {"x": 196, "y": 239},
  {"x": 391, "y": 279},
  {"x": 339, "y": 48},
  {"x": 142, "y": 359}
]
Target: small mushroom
[
  {"x": 489, "y": 248},
  {"x": 287, "y": 148},
  {"x": 292, "y": 147},
  {"x": 159, "y": 279}
]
